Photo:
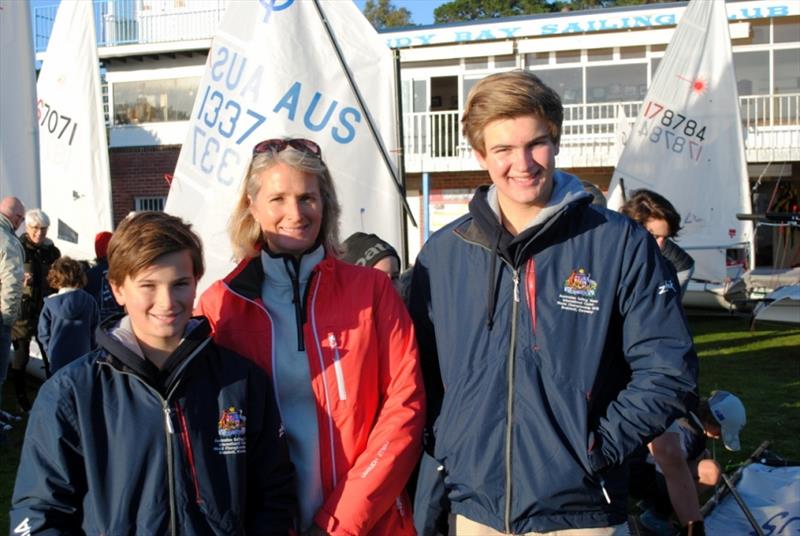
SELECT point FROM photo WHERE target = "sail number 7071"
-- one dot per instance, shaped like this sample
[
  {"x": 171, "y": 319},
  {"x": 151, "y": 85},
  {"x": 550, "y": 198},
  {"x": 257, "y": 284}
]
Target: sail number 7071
[{"x": 674, "y": 130}]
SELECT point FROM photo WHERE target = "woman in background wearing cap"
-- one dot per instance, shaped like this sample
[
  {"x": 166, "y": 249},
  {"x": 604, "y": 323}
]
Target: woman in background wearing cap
[
  {"x": 335, "y": 339},
  {"x": 679, "y": 466}
]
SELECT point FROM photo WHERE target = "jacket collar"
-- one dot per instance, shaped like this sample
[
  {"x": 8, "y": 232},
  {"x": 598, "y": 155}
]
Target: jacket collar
[
  {"x": 5, "y": 224},
  {"x": 247, "y": 278},
  {"x": 485, "y": 227},
  {"x": 123, "y": 353}
]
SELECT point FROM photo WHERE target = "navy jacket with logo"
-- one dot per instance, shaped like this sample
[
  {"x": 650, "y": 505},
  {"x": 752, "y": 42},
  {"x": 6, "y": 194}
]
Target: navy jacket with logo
[
  {"x": 548, "y": 357},
  {"x": 116, "y": 446}
]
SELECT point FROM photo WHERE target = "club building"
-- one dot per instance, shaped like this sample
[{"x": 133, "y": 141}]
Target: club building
[{"x": 601, "y": 62}]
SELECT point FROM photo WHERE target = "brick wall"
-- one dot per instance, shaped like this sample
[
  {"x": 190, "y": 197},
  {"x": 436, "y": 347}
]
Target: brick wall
[{"x": 139, "y": 172}]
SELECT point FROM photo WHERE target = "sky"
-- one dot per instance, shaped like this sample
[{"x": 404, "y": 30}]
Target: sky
[{"x": 421, "y": 10}]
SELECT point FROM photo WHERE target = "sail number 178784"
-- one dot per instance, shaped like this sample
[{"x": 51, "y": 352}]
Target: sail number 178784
[{"x": 677, "y": 132}]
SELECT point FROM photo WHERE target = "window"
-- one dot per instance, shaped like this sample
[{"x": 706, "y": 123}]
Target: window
[
  {"x": 505, "y": 62},
  {"x": 615, "y": 83},
  {"x": 537, "y": 58},
  {"x": 654, "y": 63},
  {"x": 629, "y": 53},
  {"x": 600, "y": 54},
  {"x": 149, "y": 203},
  {"x": 473, "y": 64},
  {"x": 786, "y": 30},
  {"x": 154, "y": 101},
  {"x": 752, "y": 72},
  {"x": 466, "y": 86},
  {"x": 786, "y": 70},
  {"x": 568, "y": 83},
  {"x": 568, "y": 56}
]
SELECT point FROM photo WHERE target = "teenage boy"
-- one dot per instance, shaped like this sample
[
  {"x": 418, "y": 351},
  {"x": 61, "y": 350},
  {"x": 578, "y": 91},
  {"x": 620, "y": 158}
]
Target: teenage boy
[
  {"x": 158, "y": 431},
  {"x": 551, "y": 345}
]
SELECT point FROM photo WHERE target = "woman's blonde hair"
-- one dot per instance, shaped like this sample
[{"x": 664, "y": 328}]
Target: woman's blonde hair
[{"x": 245, "y": 231}]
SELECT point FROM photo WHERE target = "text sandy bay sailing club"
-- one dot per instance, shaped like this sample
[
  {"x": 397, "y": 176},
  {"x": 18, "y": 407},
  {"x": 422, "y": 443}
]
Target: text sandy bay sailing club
[
  {"x": 231, "y": 107},
  {"x": 575, "y": 24}
]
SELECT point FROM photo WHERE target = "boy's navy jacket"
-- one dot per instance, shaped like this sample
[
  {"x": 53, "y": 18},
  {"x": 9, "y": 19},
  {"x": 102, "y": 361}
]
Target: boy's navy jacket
[
  {"x": 116, "y": 446},
  {"x": 548, "y": 358},
  {"x": 67, "y": 325}
]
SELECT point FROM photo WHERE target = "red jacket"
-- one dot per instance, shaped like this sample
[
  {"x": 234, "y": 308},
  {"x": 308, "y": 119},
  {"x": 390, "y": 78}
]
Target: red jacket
[{"x": 366, "y": 379}]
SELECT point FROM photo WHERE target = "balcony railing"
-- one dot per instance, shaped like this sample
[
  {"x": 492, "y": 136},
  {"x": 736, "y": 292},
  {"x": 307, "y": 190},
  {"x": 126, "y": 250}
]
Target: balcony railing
[
  {"x": 591, "y": 134},
  {"x": 124, "y": 22}
]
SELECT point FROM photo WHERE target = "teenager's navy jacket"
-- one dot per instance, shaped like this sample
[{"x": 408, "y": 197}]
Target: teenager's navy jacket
[
  {"x": 116, "y": 446},
  {"x": 548, "y": 358}
]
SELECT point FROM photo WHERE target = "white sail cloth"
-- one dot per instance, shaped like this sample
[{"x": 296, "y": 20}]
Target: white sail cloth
[
  {"x": 773, "y": 496},
  {"x": 75, "y": 178},
  {"x": 272, "y": 72},
  {"x": 19, "y": 157},
  {"x": 687, "y": 141}
]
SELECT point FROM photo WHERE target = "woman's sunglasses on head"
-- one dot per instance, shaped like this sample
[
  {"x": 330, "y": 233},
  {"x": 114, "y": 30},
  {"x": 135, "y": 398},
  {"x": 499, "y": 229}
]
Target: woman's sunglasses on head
[{"x": 277, "y": 145}]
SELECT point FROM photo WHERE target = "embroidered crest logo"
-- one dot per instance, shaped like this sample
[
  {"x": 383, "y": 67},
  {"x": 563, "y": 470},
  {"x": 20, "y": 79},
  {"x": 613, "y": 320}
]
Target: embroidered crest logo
[
  {"x": 580, "y": 284},
  {"x": 232, "y": 423},
  {"x": 232, "y": 432}
]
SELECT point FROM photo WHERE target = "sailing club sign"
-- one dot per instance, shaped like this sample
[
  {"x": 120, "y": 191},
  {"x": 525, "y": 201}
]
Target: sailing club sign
[{"x": 561, "y": 24}]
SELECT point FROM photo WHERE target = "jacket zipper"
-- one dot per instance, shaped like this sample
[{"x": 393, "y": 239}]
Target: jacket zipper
[
  {"x": 337, "y": 366},
  {"x": 272, "y": 337},
  {"x": 168, "y": 432},
  {"x": 189, "y": 452},
  {"x": 173, "y": 522},
  {"x": 510, "y": 399},
  {"x": 315, "y": 333}
]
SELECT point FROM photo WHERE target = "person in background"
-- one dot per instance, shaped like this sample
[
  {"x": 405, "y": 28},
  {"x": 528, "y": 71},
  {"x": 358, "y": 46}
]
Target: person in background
[
  {"x": 656, "y": 214},
  {"x": 159, "y": 430},
  {"x": 40, "y": 254},
  {"x": 364, "y": 249},
  {"x": 335, "y": 338},
  {"x": 548, "y": 351},
  {"x": 70, "y": 317},
  {"x": 679, "y": 467},
  {"x": 597, "y": 196},
  {"x": 12, "y": 214},
  {"x": 97, "y": 279}
]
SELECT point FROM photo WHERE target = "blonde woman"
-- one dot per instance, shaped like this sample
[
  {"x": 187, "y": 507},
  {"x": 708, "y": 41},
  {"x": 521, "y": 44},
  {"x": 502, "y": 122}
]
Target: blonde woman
[{"x": 335, "y": 339}]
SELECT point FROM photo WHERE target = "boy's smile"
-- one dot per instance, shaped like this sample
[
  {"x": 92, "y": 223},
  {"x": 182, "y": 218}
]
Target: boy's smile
[{"x": 159, "y": 302}]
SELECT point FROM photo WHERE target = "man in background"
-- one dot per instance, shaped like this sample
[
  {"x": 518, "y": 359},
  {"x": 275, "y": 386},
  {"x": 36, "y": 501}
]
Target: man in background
[{"x": 12, "y": 214}]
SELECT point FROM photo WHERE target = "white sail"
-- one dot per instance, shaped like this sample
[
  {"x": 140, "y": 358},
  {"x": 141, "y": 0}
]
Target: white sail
[
  {"x": 687, "y": 141},
  {"x": 72, "y": 135},
  {"x": 273, "y": 72},
  {"x": 19, "y": 157}
]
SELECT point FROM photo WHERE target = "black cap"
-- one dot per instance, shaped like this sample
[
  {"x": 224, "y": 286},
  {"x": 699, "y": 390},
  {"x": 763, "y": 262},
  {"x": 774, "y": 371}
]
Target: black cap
[{"x": 365, "y": 249}]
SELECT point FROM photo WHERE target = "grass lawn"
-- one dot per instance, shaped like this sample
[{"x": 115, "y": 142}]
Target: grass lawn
[{"x": 762, "y": 367}]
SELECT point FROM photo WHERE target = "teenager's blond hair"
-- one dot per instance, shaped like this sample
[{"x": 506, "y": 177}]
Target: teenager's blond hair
[
  {"x": 143, "y": 237},
  {"x": 245, "y": 231},
  {"x": 510, "y": 95}
]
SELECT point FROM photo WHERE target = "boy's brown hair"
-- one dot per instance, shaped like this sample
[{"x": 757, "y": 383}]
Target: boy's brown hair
[
  {"x": 66, "y": 273},
  {"x": 644, "y": 205},
  {"x": 144, "y": 237},
  {"x": 506, "y": 96}
]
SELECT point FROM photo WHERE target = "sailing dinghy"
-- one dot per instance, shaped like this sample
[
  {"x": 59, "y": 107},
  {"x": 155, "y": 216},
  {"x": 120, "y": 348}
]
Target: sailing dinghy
[{"x": 687, "y": 145}]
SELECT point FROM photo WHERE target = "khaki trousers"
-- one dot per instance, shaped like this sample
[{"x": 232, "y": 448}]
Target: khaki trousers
[{"x": 461, "y": 526}]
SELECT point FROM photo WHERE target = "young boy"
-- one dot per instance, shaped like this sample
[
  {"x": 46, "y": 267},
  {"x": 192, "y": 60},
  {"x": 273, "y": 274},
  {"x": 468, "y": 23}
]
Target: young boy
[
  {"x": 69, "y": 318},
  {"x": 158, "y": 431}
]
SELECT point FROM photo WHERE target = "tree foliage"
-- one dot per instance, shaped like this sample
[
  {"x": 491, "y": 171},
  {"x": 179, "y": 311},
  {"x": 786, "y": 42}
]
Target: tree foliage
[
  {"x": 466, "y": 10},
  {"x": 469, "y": 10},
  {"x": 383, "y": 14}
]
